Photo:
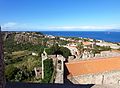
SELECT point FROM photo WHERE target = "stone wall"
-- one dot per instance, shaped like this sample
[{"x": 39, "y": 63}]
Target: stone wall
[
  {"x": 2, "y": 76},
  {"x": 60, "y": 70},
  {"x": 112, "y": 77},
  {"x": 58, "y": 67}
]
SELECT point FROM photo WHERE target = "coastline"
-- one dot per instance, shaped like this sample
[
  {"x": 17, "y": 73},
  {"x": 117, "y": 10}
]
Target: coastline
[{"x": 98, "y": 35}]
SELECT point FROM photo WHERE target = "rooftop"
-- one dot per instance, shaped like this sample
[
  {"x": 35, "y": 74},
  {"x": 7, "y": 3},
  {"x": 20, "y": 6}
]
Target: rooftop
[
  {"x": 93, "y": 66},
  {"x": 87, "y": 43}
]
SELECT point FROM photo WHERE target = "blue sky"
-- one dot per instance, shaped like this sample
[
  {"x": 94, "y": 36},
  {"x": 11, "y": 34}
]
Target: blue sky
[{"x": 38, "y": 15}]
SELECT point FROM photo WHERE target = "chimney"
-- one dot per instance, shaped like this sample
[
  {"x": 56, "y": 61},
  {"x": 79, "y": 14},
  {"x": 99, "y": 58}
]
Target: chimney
[{"x": 2, "y": 77}]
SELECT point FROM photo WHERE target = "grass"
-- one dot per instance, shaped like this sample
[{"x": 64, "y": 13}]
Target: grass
[
  {"x": 20, "y": 54},
  {"x": 25, "y": 59},
  {"x": 30, "y": 62}
]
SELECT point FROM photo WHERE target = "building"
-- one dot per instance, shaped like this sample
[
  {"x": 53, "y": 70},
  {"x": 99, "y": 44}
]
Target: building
[
  {"x": 73, "y": 49},
  {"x": 97, "y": 71}
]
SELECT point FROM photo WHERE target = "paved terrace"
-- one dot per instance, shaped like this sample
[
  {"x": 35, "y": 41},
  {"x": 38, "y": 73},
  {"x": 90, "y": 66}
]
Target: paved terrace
[{"x": 93, "y": 66}]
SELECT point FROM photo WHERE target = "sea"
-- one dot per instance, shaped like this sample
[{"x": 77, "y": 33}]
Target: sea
[{"x": 100, "y": 35}]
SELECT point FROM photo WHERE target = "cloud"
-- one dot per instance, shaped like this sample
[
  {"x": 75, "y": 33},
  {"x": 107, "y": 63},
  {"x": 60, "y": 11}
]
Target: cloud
[
  {"x": 9, "y": 25},
  {"x": 13, "y": 26},
  {"x": 86, "y": 27}
]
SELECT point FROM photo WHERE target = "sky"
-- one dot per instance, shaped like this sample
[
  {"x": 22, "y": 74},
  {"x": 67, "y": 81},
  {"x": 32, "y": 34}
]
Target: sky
[{"x": 59, "y": 15}]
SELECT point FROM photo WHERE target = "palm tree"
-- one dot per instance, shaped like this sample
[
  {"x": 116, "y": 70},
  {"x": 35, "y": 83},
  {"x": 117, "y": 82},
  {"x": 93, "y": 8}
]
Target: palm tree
[
  {"x": 56, "y": 49},
  {"x": 80, "y": 48}
]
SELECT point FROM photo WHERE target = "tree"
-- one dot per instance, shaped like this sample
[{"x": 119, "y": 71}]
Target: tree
[
  {"x": 10, "y": 72},
  {"x": 23, "y": 74},
  {"x": 80, "y": 48},
  {"x": 18, "y": 76},
  {"x": 55, "y": 49},
  {"x": 65, "y": 52},
  {"x": 95, "y": 51}
]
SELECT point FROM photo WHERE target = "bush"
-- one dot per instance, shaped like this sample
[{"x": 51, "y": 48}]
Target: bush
[
  {"x": 10, "y": 72},
  {"x": 65, "y": 52},
  {"x": 55, "y": 49},
  {"x": 49, "y": 51},
  {"x": 24, "y": 74},
  {"x": 48, "y": 70},
  {"x": 11, "y": 46}
]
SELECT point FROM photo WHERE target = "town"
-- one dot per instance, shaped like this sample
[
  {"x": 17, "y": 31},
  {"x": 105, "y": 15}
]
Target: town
[{"x": 39, "y": 58}]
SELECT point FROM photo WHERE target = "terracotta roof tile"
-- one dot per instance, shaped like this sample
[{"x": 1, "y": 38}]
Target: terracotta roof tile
[
  {"x": 87, "y": 43},
  {"x": 93, "y": 66}
]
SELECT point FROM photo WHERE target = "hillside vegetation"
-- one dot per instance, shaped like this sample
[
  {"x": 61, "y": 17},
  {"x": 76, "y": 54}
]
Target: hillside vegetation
[{"x": 19, "y": 60}]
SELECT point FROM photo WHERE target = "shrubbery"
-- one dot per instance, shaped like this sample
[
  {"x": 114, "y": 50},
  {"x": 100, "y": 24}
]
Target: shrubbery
[
  {"x": 13, "y": 73},
  {"x": 65, "y": 52},
  {"x": 102, "y": 48},
  {"x": 10, "y": 72},
  {"x": 48, "y": 70},
  {"x": 20, "y": 47},
  {"x": 24, "y": 74},
  {"x": 55, "y": 49}
]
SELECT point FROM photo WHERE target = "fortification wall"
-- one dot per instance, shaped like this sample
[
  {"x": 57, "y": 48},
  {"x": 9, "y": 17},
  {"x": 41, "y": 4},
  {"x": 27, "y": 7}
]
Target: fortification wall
[{"x": 112, "y": 77}]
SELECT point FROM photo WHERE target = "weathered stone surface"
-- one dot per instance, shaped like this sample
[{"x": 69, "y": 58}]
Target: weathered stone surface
[{"x": 112, "y": 77}]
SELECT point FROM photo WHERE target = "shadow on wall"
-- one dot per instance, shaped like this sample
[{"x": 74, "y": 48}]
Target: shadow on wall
[
  {"x": 66, "y": 72},
  {"x": 42, "y": 85},
  {"x": 71, "y": 85}
]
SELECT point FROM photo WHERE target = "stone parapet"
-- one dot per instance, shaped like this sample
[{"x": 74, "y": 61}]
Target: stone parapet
[{"x": 111, "y": 77}]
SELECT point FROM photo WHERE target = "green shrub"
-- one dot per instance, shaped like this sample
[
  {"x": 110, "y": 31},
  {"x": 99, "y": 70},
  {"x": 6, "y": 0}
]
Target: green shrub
[
  {"x": 10, "y": 72},
  {"x": 55, "y": 49},
  {"x": 48, "y": 70},
  {"x": 65, "y": 52}
]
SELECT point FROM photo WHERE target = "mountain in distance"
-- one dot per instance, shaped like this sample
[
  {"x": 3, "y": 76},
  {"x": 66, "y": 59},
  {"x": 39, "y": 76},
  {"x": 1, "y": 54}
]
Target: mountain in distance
[{"x": 113, "y": 30}]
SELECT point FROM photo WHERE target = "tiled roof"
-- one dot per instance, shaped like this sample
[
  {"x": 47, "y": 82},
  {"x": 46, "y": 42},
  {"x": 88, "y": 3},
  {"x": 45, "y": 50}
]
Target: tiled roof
[
  {"x": 87, "y": 43},
  {"x": 93, "y": 66}
]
